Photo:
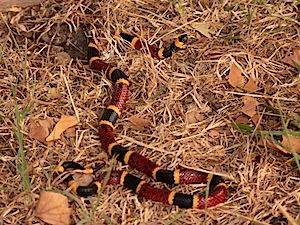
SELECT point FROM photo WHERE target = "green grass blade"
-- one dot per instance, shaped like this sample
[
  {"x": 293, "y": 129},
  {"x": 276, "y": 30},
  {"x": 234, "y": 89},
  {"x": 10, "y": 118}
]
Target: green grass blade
[
  {"x": 243, "y": 128},
  {"x": 83, "y": 221},
  {"x": 161, "y": 90},
  {"x": 21, "y": 163},
  {"x": 286, "y": 18},
  {"x": 287, "y": 134},
  {"x": 229, "y": 8},
  {"x": 250, "y": 14},
  {"x": 95, "y": 206},
  {"x": 232, "y": 37},
  {"x": 106, "y": 218},
  {"x": 26, "y": 110},
  {"x": 9, "y": 189},
  {"x": 22, "y": 166},
  {"x": 174, "y": 219},
  {"x": 246, "y": 129}
]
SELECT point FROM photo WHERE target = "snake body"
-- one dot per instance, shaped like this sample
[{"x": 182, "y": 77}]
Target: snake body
[{"x": 218, "y": 189}]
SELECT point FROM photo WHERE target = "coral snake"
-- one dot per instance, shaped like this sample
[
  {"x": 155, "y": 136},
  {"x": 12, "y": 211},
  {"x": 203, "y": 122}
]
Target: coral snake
[{"x": 218, "y": 189}]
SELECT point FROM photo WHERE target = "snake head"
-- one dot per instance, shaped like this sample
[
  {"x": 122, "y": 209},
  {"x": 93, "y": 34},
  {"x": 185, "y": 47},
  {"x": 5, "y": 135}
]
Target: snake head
[{"x": 183, "y": 38}]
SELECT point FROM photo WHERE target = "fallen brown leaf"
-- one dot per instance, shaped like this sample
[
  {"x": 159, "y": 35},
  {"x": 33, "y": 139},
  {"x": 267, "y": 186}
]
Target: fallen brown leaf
[
  {"x": 214, "y": 133},
  {"x": 206, "y": 3},
  {"x": 204, "y": 28},
  {"x": 224, "y": 130},
  {"x": 193, "y": 114},
  {"x": 83, "y": 179},
  {"x": 293, "y": 59},
  {"x": 255, "y": 118},
  {"x": 235, "y": 77},
  {"x": 39, "y": 129},
  {"x": 6, "y": 5},
  {"x": 286, "y": 147},
  {"x": 63, "y": 124},
  {"x": 249, "y": 107},
  {"x": 62, "y": 58},
  {"x": 242, "y": 119},
  {"x": 53, "y": 93},
  {"x": 53, "y": 208},
  {"x": 251, "y": 85},
  {"x": 138, "y": 123},
  {"x": 70, "y": 132},
  {"x": 200, "y": 38},
  {"x": 295, "y": 142}
]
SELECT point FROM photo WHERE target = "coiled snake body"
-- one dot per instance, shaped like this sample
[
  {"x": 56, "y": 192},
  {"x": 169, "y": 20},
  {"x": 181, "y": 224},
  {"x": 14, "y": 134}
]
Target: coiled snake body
[{"x": 218, "y": 189}]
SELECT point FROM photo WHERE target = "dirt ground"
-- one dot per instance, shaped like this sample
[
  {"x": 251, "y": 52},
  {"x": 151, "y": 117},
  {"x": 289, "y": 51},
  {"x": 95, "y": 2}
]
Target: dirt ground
[{"x": 183, "y": 111}]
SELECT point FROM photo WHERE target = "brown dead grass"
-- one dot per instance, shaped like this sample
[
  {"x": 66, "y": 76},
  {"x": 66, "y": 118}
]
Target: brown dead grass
[{"x": 261, "y": 180}]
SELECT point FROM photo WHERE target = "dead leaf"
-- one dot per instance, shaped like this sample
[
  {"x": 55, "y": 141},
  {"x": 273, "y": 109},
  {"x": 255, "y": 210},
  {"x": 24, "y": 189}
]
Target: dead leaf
[
  {"x": 204, "y": 28},
  {"x": 64, "y": 123},
  {"x": 214, "y": 133},
  {"x": 53, "y": 208},
  {"x": 40, "y": 129},
  {"x": 193, "y": 114},
  {"x": 206, "y": 3},
  {"x": 62, "y": 58},
  {"x": 22, "y": 27},
  {"x": 6, "y": 5},
  {"x": 242, "y": 119},
  {"x": 295, "y": 142},
  {"x": 251, "y": 85},
  {"x": 235, "y": 77},
  {"x": 83, "y": 179},
  {"x": 255, "y": 118},
  {"x": 138, "y": 123},
  {"x": 53, "y": 93},
  {"x": 224, "y": 130},
  {"x": 249, "y": 107},
  {"x": 70, "y": 132},
  {"x": 293, "y": 59},
  {"x": 286, "y": 147},
  {"x": 200, "y": 38}
]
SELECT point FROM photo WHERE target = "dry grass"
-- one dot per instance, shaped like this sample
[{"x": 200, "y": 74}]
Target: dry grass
[{"x": 264, "y": 184}]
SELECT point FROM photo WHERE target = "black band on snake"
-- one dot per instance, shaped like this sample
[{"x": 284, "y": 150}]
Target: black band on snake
[{"x": 218, "y": 189}]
